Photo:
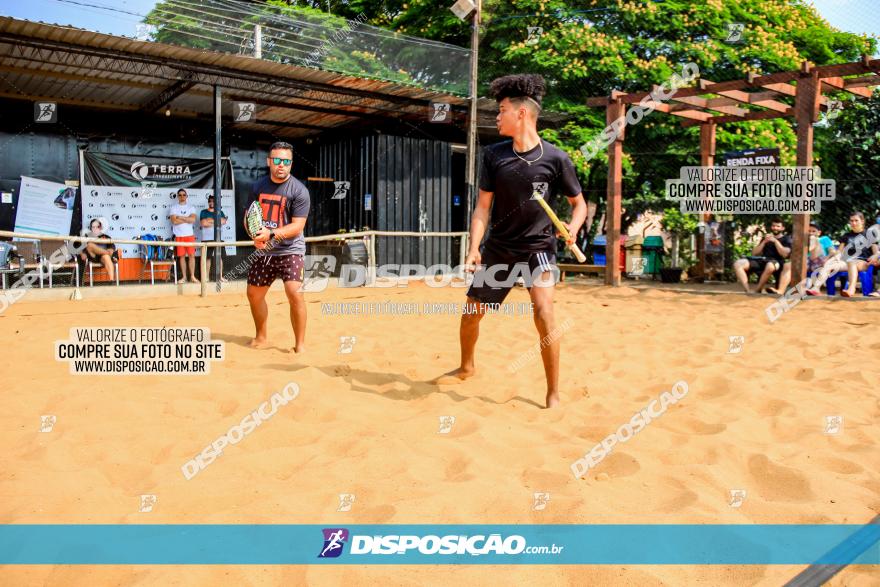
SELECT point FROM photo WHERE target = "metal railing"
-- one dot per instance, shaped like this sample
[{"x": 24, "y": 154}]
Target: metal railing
[{"x": 370, "y": 235}]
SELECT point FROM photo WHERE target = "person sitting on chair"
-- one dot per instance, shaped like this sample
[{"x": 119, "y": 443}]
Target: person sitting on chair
[
  {"x": 856, "y": 252},
  {"x": 98, "y": 253},
  {"x": 767, "y": 258},
  {"x": 823, "y": 260}
]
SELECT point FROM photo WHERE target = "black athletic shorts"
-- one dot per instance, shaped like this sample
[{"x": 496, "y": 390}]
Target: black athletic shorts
[
  {"x": 267, "y": 268},
  {"x": 758, "y": 264},
  {"x": 97, "y": 258},
  {"x": 500, "y": 269}
]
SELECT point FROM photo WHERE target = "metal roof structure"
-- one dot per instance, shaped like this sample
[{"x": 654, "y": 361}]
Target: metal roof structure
[{"x": 94, "y": 70}]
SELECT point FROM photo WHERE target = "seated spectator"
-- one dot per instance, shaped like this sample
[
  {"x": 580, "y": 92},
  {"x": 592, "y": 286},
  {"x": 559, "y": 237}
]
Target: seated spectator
[
  {"x": 767, "y": 258},
  {"x": 97, "y": 253},
  {"x": 823, "y": 260},
  {"x": 857, "y": 253}
]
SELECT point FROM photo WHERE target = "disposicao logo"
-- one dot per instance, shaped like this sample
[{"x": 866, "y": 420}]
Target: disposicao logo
[{"x": 334, "y": 540}]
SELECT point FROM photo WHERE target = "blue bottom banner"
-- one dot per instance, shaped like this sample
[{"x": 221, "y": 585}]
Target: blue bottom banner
[{"x": 636, "y": 544}]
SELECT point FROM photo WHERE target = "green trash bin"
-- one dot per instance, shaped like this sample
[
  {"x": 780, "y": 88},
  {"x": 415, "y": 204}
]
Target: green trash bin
[{"x": 652, "y": 251}]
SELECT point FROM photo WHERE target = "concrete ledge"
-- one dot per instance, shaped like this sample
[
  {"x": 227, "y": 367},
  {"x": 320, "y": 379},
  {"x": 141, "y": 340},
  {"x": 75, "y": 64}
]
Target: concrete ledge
[
  {"x": 159, "y": 290},
  {"x": 104, "y": 292}
]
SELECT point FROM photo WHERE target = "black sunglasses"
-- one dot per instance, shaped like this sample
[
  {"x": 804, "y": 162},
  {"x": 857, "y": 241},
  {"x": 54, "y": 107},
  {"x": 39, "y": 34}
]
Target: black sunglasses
[{"x": 280, "y": 161}]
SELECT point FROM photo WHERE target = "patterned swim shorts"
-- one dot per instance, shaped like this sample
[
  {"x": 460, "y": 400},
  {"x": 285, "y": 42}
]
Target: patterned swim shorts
[{"x": 267, "y": 268}]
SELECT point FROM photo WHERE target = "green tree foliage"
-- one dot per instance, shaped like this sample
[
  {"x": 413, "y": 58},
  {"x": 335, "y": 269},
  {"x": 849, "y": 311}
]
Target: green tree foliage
[
  {"x": 589, "y": 48},
  {"x": 849, "y": 147},
  {"x": 308, "y": 36}
]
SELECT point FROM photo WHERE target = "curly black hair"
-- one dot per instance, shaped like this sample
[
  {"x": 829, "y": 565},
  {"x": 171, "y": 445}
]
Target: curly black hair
[{"x": 518, "y": 86}]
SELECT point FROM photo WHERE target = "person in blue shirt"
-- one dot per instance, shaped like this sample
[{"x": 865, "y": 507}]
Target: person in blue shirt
[{"x": 822, "y": 260}]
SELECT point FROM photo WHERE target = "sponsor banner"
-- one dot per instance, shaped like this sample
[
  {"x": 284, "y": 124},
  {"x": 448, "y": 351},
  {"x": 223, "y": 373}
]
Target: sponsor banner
[
  {"x": 133, "y": 194},
  {"x": 794, "y": 544},
  {"x": 116, "y": 169},
  {"x": 44, "y": 207}
]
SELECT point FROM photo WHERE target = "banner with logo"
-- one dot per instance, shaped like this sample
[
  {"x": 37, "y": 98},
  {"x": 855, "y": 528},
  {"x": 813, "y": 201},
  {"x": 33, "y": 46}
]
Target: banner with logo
[
  {"x": 133, "y": 194},
  {"x": 433, "y": 544},
  {"x": 44, "y": 207}
]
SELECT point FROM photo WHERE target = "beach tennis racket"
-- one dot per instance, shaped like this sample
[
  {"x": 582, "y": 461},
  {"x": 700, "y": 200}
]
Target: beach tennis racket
[
  {"x": 569, "y": 241},
  {"x": 253, "y": 221}
]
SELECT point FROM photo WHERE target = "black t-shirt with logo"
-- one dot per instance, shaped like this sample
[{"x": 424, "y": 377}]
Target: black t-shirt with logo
[
  {"x": 854, "y": 247},
  {"x": 281, "y": 203},
  {"x": 516, "y": 223},
  {"x": 771, "y": 252}
]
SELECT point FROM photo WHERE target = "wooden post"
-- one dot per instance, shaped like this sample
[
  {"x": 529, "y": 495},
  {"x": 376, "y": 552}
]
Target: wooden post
[
  {"x": 462, "y": 250},
  {"x": 806, "y": 113},
  {"x": 371, "y": 252},
  {"x": 203, "y": 266},
  {"x": 613, "y": 112},
  {"x": 707, "y": 159}
]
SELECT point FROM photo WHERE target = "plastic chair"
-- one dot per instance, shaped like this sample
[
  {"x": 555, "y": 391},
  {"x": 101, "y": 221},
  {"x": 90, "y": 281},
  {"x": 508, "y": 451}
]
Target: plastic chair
[
  {"x": 155, "y": 256},
  {"x": 68, "y": 267},
  {"x": 866, "y": 278},
  {"x": 7, "y": 254},
  {"x": 29, "y": 253},
  {"x": 93, "y": 266}
]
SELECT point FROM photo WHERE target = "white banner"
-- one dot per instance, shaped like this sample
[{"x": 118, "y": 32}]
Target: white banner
[
  {"x": 131, "y": 212},
  {"x": 44, "y": 207}
]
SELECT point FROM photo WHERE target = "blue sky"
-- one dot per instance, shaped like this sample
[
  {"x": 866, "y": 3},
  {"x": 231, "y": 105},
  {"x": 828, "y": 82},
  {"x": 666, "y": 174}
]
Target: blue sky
[
  {"x": 76, "y": 13},
  {"x": 857, "y": 16}
]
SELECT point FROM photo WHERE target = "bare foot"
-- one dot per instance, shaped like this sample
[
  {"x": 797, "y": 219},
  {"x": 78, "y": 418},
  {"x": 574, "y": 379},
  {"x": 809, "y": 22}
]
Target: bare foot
[
  {"x": 258, "y": 343},
  {"x": 181, "y": 281},
  {"x": 553, "y": 399},
  {"x": 193, "y": 280},
  {"x": 298, "y": 350},
  {"x": 454, "y": 377}
]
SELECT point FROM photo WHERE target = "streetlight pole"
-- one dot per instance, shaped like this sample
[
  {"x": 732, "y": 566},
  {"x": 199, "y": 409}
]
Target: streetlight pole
[{"x": 472, "y": 119}]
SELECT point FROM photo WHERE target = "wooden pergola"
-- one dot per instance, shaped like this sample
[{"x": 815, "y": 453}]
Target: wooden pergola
[{"x": 710, "y": 104}]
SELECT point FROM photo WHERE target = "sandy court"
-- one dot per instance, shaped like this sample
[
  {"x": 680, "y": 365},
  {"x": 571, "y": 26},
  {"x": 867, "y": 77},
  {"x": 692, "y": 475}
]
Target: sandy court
[{"x": 366, "y": 423}]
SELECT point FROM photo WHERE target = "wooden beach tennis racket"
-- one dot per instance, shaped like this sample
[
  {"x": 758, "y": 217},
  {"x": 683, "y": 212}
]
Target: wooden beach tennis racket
[
  {"x": 253, "y": 221},
  {"x": 569, "y": 241}
]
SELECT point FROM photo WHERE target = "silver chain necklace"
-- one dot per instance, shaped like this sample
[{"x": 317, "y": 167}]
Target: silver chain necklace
[{"x": 540, "y": 143}]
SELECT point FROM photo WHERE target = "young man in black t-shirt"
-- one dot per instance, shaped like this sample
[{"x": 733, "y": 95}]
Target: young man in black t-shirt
[
  {"x": 521, "y": 240},
  {"x": 768, "y": 257},
  {"x": 285, "y": 203}
]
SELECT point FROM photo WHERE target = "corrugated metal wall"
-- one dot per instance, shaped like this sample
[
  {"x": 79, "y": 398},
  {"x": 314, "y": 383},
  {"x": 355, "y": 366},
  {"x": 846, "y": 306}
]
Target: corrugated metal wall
[
  {"x": 410, "y": 183},
  {"x": 409, "y": 179},
  {"x": 415, "y": 194},
  {"x": 347, "y": 160}
]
